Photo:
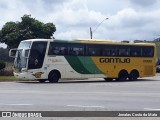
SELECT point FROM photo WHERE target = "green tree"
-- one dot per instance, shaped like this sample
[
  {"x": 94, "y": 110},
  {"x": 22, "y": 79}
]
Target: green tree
[
  {"x": 2, "y": 65},
  {"x": 4, "y": 56},
  {"x": 29, "y": 28}
]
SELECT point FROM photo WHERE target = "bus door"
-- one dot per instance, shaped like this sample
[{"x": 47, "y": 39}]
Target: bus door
[{"x": 36, "y": 57}]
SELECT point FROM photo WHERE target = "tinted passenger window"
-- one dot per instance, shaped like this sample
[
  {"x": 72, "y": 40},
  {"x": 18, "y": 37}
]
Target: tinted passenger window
[
  {"x": 136, "y": 51},
  {"x": 93, "y": 50},
  {"x": 75, "y": 50},
  {"x": 66, "y": 49},
  {"x": 57, "y": 49},
  {"x": 109, "y": 50},
  {"x": 147, "y": 51},
  {"x": 123, "y": 51}
]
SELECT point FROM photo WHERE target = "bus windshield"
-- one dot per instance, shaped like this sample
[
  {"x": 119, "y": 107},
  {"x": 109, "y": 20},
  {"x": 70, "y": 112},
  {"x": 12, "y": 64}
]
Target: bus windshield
[
  {"x": 20, "y": 61},
  {"x": 29, "y": 55}
]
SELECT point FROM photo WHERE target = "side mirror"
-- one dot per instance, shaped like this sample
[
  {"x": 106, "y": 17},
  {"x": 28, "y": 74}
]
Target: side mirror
[{"x": 12, "y": 53}]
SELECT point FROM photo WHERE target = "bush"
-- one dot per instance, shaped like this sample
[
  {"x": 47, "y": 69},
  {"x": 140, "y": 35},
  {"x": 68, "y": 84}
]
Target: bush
[
  {"x": 6, "y": 72},
  {"x": 2, "y": 65}
]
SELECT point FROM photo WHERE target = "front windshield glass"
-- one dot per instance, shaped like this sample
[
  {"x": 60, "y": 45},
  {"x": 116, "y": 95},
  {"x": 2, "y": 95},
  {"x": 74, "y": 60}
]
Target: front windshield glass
[
  {"x": 24, "y": 45},
  {"x": 20, "y": 61}
]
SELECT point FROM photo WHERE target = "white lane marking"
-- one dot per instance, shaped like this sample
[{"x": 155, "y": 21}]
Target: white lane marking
[
  {"x": 154, "y": 109},
  {"x": 85, "y": 106},
  {"x": 17, "y": 104}
]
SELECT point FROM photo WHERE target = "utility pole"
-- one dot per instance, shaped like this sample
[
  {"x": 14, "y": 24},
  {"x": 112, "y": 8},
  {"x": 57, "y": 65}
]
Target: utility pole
[{"x": 92, "y": 31}]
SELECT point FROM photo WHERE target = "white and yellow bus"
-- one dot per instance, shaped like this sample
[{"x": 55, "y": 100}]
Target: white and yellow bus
[{"x": 53, "y": 59}]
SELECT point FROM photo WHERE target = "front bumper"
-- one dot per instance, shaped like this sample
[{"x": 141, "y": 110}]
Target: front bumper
[{"x": 23, "y": 75}]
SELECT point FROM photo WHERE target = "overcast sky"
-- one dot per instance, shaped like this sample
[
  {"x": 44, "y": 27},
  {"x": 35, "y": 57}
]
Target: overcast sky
[{"x": 128, "y": 19}]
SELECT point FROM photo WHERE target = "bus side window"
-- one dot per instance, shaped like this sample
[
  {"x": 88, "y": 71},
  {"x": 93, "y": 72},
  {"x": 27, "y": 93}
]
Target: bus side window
[
  {"x": 57, "y": 49},
  {"x": 135, "y": 51},
  {"x": 121, "y": 52},
  {"x": 124, "y": 52},
  {"x": 94, "y": 51},
  {"x": 91, "y": 51},
  {"x": 106, "y": 52},
  {"x": 53, "y": 50},
  {"x": 76, "y": 50},
  {"x": 63, "y": 50},
  {"x": 148, "y": 51},
  {"x": 109, "y": 51},
  {"x": 127, "y": 52},
  {"x": 113, "y": 52}
]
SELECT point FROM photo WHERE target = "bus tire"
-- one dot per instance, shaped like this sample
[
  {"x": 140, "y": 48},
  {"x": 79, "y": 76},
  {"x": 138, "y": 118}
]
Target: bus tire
[
  {"x": 123, "y": 75},
  {"x": 54, "y": 76},
  {"x": 108, "y": 79},
  {"x": 133, "y": 75}
]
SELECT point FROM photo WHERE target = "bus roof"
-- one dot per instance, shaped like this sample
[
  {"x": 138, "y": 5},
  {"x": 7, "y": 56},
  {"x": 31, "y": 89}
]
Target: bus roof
[
  {"x": 38, "y": 40},
  {"x": 91, "y": 41},
  {"x": 94, "y": 40}
]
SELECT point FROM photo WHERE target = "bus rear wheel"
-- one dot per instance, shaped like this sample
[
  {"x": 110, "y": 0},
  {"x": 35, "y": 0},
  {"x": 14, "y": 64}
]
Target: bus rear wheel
[
  {"x": 133, "y": 75},
  {"x": 123, "y": 75},
  {"x": 54, "y": 76}
]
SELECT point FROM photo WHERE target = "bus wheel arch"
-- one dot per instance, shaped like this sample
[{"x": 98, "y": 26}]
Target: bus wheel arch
[
  {"x": 54, "y": 76},
  {"x": 122, "y": 75},
  {"x": 134, "y": 74}
]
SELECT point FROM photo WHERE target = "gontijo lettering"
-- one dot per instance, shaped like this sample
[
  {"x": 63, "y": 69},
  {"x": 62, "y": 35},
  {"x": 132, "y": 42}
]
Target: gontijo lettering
[{"x": 114, "y": 60}]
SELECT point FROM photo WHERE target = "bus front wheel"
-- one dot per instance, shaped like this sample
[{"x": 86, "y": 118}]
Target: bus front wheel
[
  {"x": 54, "y": 76},
  {"x": 133, "y": 75}
]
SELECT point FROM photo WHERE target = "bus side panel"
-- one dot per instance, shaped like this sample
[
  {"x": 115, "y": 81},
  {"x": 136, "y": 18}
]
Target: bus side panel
[
  {"x": 61, "y": 64},
  {"x": 84, "y": 65},
  {"x": 111, "y": 66}
]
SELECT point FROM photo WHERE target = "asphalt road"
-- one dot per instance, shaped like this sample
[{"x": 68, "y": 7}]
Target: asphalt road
[
  {"x": 93, "y": 94},
  {"x": 81, "y": 95}
]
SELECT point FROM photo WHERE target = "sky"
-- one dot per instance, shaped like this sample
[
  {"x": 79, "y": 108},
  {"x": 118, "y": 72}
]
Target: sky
[{"x": 127, "y": 19}]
